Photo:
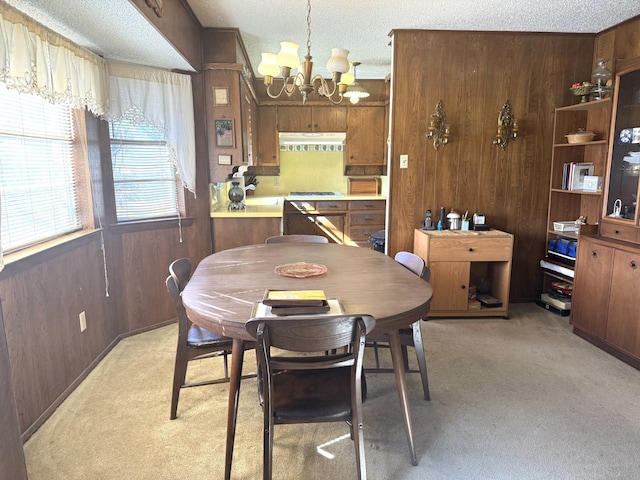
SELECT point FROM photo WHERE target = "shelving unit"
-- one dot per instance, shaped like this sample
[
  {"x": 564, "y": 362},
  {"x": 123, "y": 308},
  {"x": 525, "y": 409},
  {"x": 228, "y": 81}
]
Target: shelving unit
[{"x": 569, "y": 205}]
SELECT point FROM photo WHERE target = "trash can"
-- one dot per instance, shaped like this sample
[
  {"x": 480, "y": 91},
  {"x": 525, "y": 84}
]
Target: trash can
[{"x": 376, "y": 239}]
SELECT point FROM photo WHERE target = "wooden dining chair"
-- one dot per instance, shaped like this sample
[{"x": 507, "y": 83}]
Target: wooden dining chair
[
  {"x": 409, "y": 337},
  {"x": 297, "y": 239},
  {"x": 296, "y": 387},
  {"x": 194, "y": 342}
]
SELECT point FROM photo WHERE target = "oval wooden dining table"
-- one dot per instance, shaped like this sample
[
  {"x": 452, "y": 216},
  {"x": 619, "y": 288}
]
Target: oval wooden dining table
[{"x": 225, "y": 286}]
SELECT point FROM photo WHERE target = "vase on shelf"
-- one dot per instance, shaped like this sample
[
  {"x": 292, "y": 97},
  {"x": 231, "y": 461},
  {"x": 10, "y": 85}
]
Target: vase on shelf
[{"x": 601, "y": 80}]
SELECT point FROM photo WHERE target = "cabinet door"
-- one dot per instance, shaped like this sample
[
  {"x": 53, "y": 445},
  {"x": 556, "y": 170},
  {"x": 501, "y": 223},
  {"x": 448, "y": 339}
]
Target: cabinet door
[
  {"x": 267, "y": 137},
  {"x": 299, "y": 224},
  {"x": 295, "y": 119},
  {"x": 329, "y": 119},
  {"x": 331, "y": 226},
  {"x": 590, "y": 299},
  {"x": 365, "y": 136},
  {"x": 450, "y": 283},
  {"x": 623, "y": 327}
]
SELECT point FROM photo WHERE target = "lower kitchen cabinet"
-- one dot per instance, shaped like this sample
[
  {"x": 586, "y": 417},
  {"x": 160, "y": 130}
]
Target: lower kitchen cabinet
[
  {"x": 348, "y": 222},
  {"x": 365, "y": 217},
  {"x": 604, "y": 303},
  {"x": 326, "y": 218},
  {"x": 460, "y": 260},
  {"x": 231, "y": 232}
]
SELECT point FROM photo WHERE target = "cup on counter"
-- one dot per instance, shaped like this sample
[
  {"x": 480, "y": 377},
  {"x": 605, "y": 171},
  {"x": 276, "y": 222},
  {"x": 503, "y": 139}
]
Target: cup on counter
[{"x": 464, "y": 225}]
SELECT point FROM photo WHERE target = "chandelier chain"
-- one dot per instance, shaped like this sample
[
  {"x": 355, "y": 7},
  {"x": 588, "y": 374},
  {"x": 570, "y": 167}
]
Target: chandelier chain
[{"x": 309, "y": 28}]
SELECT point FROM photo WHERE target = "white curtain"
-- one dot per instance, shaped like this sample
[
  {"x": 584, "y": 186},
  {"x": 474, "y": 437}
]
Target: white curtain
[
  {"x": 36, "y": 60},
  {"x": 162, "y": 99}
]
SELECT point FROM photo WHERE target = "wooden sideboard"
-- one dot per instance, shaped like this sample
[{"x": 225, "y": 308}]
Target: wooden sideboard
[{"x": 459, "y": 260}]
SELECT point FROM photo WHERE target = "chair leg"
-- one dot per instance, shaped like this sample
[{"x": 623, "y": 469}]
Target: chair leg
[
  {"x": 226, "y": 364},
  {"x": 375, "y": 352},
  {"x": 422, "y": 362},
  {"x": 268, "y": 451},
  {"x": 179, "y": 374}
]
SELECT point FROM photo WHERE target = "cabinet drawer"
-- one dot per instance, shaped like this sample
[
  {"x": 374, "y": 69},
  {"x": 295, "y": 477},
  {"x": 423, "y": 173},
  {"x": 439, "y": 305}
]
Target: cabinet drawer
[
  {"x": 616, "y": 230},
  {"x": 331, "y": 206},
  {"x": 362, "y": 234},
  {"x": 367, "y": 218},
  {"x": 366, "y": 205},
  {"x": 302, "y": 206},
  {"x": 470, "y": 249}
]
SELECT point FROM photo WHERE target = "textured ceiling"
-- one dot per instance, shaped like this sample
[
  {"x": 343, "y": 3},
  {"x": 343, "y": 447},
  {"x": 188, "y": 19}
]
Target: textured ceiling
[{"x": 116, "y": 30}]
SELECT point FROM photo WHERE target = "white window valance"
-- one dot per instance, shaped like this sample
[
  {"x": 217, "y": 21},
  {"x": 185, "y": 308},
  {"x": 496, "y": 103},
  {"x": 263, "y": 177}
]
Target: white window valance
[
  {"x": 36, "y": 60},
  {"x": 161, "y": 99}
]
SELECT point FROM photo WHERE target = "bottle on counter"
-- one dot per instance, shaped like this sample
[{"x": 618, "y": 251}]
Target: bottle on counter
[{"x": 442, "y": 221}]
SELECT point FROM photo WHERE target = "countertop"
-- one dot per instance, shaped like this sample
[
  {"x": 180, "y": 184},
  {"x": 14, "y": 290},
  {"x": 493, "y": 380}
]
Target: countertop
[{"x": 274, "y": 206}]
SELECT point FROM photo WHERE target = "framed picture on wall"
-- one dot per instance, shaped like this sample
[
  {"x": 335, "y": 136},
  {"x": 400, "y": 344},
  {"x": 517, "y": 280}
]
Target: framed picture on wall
[
  {"x": 224, "y": 159},
  {"x": 224, "y": 133},
  {"x": 220, "y": 96}
]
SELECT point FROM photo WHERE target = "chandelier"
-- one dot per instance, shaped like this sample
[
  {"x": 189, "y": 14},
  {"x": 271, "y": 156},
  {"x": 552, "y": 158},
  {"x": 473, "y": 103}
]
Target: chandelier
[{"x": 273, "y": 65}]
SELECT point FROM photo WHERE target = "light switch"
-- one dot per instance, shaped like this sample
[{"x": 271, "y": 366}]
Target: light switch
[{"x": 404, "y": 161}]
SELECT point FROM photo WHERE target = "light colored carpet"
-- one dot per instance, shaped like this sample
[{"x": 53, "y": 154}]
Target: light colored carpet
[{"x": 511, "y": 399}]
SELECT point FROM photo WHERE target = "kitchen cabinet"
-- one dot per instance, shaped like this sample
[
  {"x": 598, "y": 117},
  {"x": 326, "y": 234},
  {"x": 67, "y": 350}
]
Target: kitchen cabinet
[
  {"x": 326, "y": 218},
  {"x": 364, "y": 218},
  {"x": 349, "y": 222},
  {"x": 459, "y": 260},
  {"x": 232, "y": 232},
  {"x": 366, "y": 139},
  {"x": 605, "y": 296},
  {"x": 565, "y": 203},
  {"x": 312, "y": 119},
  {"x": 268, "y": 146},
  {"x": 620, "y": 215}
]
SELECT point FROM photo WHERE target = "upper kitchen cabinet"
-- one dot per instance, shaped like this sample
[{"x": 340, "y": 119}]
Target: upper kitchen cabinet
[
  {"x": 312, "y": 119},
  {"x": 620, "y": 217},
  {"x": 365, "y": 145},
  {"x": 267, "y": 151}
]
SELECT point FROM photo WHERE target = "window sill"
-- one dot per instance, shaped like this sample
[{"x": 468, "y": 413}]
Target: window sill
[
  {"x": 144, "y": 225},
  {"x": 28, "y": 257}
]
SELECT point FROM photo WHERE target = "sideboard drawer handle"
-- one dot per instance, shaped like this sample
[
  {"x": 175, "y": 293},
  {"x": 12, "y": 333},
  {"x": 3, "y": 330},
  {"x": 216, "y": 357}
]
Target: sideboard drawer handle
[
  {"x": 463, "y": 287},
  {"x": 617, "y": 232},
  {"x": 471, "y": 249},
  {"x": 633, "y": 264},
  {"x": 594, "y": 253}
]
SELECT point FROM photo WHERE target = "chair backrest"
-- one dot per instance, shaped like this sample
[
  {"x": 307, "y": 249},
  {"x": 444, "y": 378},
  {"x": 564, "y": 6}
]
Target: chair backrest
[
  {"x": 297, "y": 239},
  {"x": 310, "y": 333},
  {"x": 179, "y": 274},
  {"x": 414, "y": 263},
  {"x": 180, "y": 270}
]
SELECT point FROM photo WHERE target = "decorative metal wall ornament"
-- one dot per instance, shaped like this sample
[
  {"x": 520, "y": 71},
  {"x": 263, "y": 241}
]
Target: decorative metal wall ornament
[
  {"x": 439, "y": 131},
  {"x": 507, "y": 127}
]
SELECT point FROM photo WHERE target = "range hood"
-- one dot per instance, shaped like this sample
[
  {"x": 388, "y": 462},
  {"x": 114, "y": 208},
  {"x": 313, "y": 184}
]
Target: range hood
[{"x": 312, "y": 138}]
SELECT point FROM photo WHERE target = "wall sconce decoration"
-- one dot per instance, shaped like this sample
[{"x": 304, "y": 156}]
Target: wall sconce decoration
[
  {"x": 439, "y": 131},
  {"x": 507, "y": 126}
]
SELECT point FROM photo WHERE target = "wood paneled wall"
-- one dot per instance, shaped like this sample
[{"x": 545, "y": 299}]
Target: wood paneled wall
[{"x": 474, "y": 73}]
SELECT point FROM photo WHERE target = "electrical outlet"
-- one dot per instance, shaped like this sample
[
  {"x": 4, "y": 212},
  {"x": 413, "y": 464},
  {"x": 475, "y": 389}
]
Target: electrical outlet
[
  {"x": 83, "y": 321},
  {"x": 404, "y": 161},
  {"x": 276, "y": 181}
]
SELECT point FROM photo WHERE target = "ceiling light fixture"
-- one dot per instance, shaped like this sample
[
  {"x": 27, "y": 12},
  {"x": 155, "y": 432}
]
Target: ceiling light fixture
[
  {"x": 354, "y": 91},
  {"x": 273, "y": 65}
]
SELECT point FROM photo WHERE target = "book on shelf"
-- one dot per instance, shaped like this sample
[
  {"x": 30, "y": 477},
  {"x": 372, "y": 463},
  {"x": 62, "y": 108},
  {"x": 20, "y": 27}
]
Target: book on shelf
[{"x": 573, "y": 175}]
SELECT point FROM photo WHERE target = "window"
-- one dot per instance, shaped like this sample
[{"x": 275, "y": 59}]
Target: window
[
  {"x": 41, "y": 170},
  {"x": 144, "y": 177}
]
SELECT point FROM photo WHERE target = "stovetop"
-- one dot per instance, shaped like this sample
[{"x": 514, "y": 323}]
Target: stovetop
[{"x": 314, "y": 194}]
